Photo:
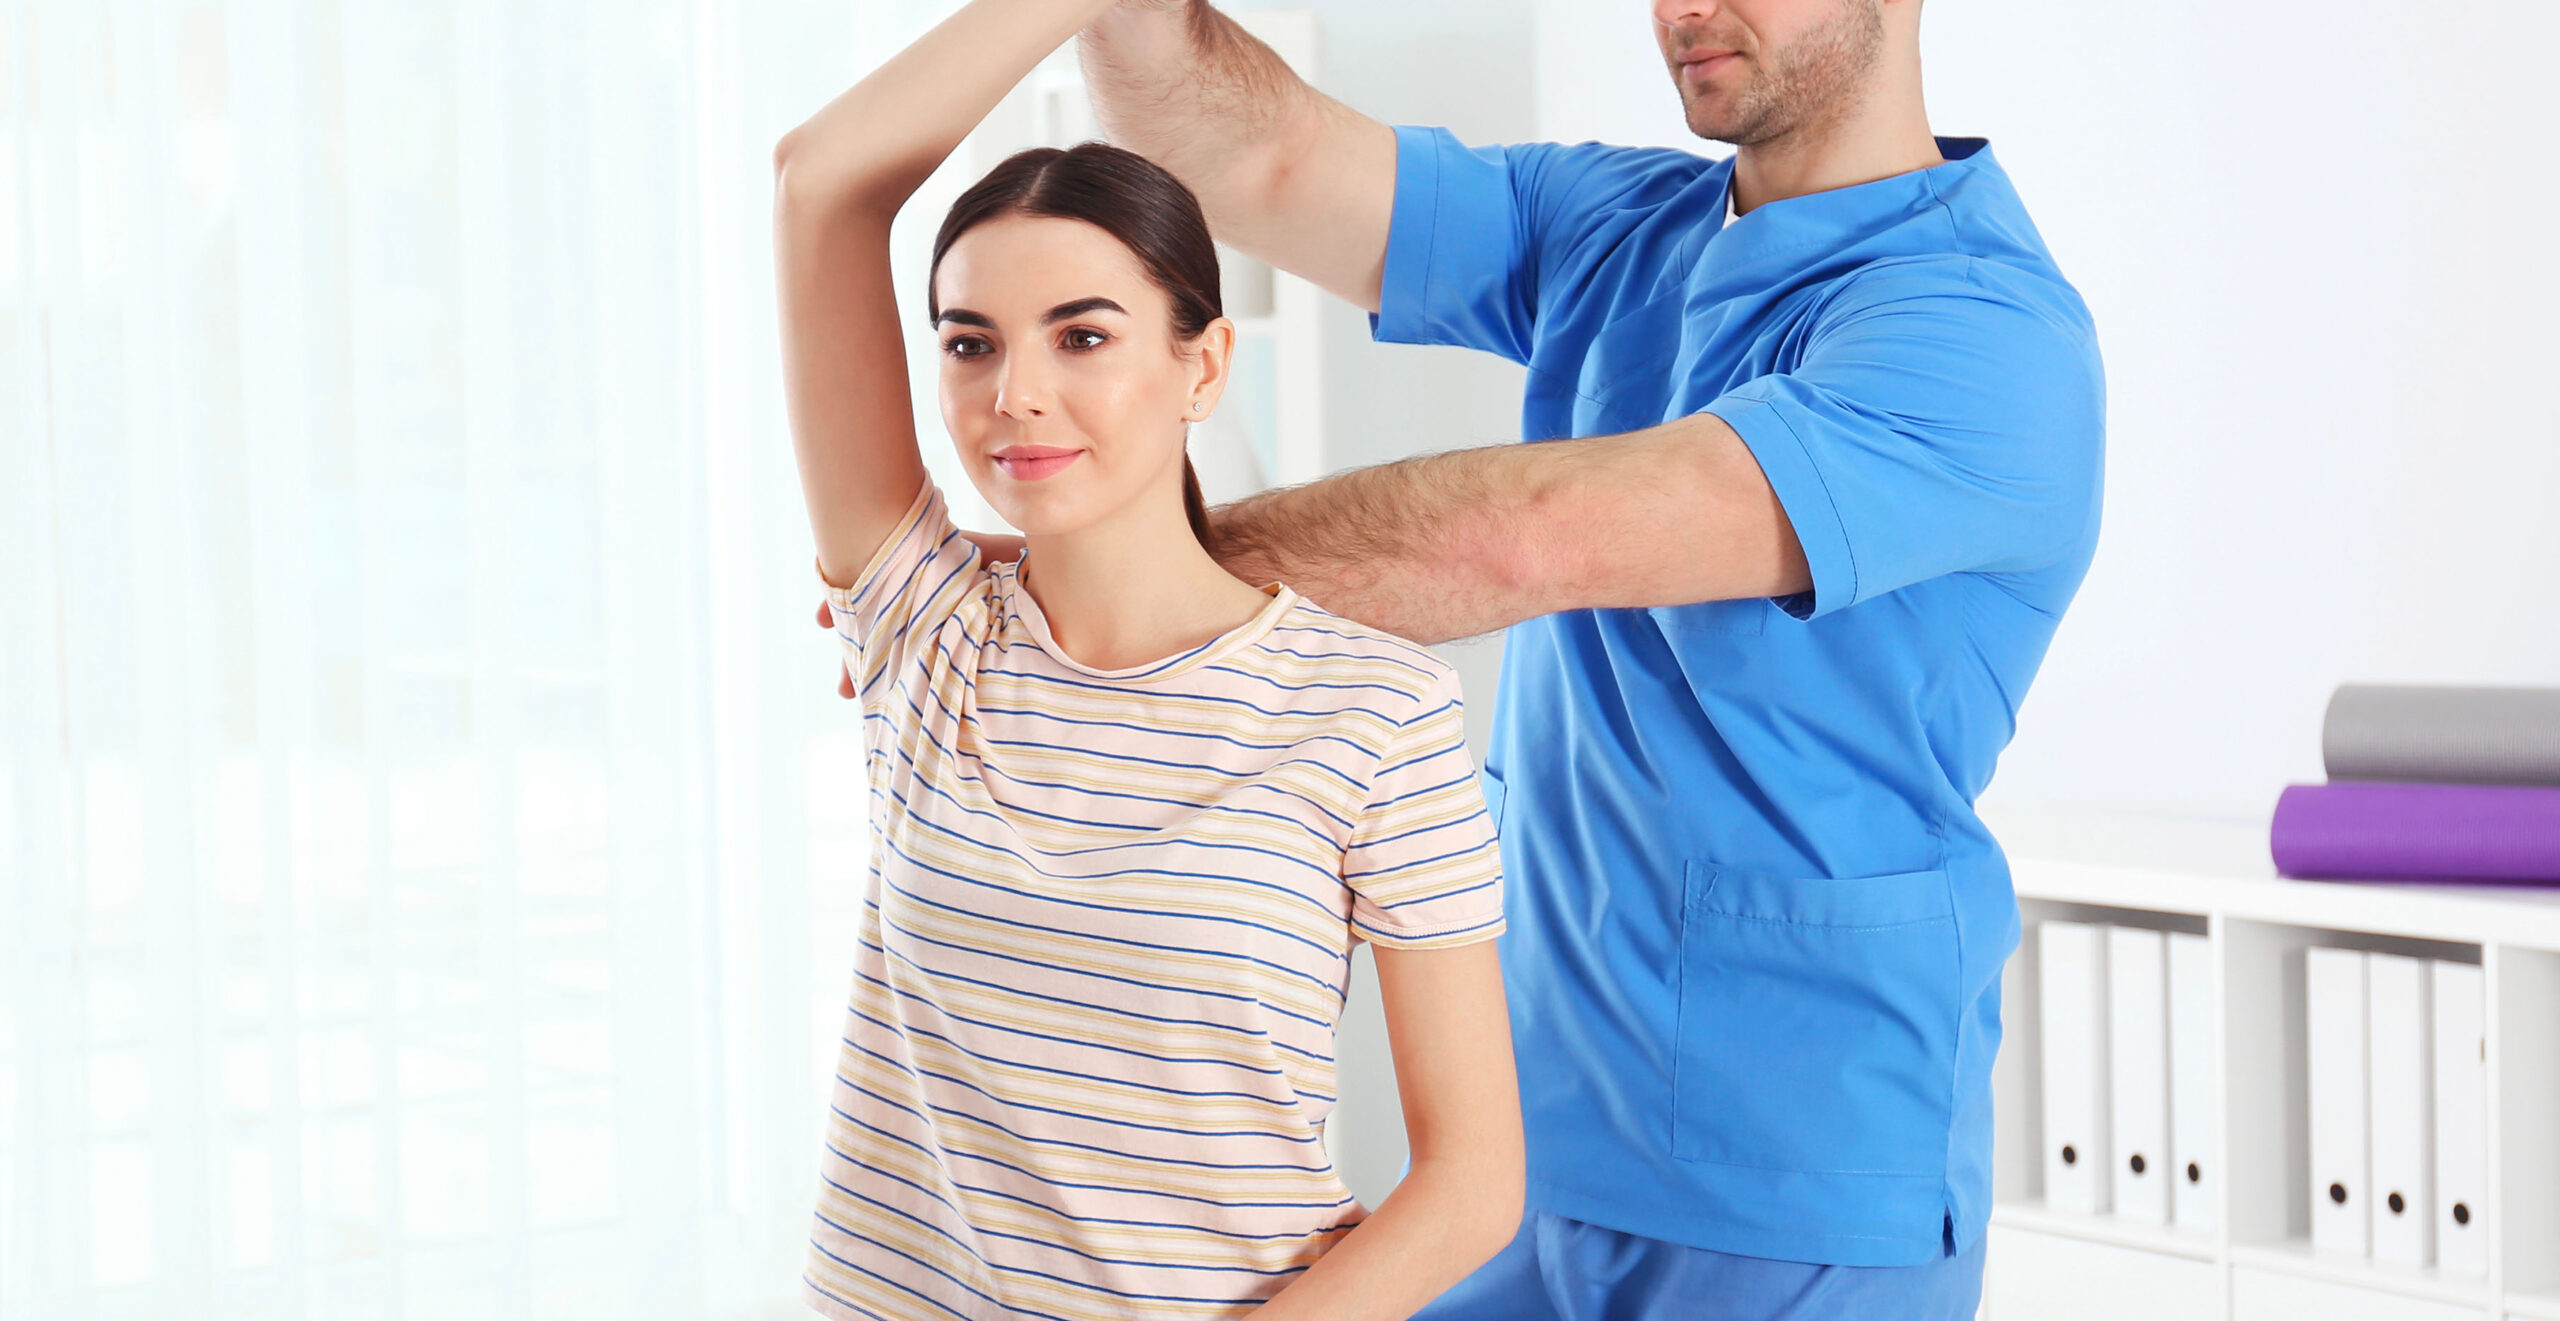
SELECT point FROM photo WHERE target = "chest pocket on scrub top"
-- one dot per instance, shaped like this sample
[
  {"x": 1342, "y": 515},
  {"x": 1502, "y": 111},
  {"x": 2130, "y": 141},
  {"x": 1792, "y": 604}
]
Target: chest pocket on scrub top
[{"x": 1817, "y": 1022}]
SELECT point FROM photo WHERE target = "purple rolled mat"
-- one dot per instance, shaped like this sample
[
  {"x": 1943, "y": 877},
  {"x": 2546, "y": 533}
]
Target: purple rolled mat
[{"x": 2398, "y": 830}]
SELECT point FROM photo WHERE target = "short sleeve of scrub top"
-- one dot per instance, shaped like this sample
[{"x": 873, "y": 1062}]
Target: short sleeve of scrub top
[
  {"x": 1902, "y": 445},
  {"x": 1477, "y": 230}
]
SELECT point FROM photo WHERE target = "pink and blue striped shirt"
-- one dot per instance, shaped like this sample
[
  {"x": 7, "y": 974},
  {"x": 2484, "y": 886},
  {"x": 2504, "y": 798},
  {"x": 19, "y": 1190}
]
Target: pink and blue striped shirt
[{"x": 1089, "y": 1053}]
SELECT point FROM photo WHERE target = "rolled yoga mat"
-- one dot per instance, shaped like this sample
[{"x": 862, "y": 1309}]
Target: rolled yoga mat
[
  {"x": 2385, "y": 830},
  {"x": 2449, "y": 735}
]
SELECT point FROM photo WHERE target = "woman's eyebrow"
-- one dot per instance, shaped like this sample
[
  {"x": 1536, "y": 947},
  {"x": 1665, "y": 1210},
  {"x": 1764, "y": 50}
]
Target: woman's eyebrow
[
  {"x": 1079, "y": 307},
  {"x": 1053, "y": 316}
]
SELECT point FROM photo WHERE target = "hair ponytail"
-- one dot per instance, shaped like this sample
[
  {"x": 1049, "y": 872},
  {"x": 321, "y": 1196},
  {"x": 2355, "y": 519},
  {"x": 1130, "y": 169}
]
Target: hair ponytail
[{"x": 1193, "y": 507}]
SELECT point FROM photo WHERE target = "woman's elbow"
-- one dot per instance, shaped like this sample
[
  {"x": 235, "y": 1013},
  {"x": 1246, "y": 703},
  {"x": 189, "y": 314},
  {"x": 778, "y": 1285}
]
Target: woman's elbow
[
  {"x": 812, "y": 179},
  {"x": 800, "y": 182}
]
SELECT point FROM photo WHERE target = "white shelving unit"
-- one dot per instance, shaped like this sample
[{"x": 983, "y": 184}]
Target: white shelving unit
[{"x": 2259, "y": 1266}]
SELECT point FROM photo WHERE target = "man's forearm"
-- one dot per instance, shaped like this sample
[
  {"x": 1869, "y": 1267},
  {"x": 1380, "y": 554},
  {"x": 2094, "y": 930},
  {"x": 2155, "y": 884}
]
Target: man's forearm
[
  {"x": 1451, "y": 545},
  {"x": 1428, "y": 548}
]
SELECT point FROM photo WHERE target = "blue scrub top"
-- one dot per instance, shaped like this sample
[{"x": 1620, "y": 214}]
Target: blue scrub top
[{"x": 1756, "y": 928}]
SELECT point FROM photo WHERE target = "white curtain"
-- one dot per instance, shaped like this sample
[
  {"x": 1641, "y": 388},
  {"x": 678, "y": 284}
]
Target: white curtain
[{"x": 428, "y": 836}]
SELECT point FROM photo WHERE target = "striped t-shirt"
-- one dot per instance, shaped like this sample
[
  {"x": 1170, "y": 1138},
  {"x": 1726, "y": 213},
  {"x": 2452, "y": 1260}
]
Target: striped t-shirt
[{"x": 1089, "y": 1055}]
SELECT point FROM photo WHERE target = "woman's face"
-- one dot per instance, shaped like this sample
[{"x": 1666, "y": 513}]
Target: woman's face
[{"x": 1062, "y": 385}]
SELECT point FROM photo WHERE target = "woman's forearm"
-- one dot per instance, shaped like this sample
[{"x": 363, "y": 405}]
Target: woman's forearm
[
  {"x": 1444, "y": 1220},
  {"x": 877, "y": 142}
]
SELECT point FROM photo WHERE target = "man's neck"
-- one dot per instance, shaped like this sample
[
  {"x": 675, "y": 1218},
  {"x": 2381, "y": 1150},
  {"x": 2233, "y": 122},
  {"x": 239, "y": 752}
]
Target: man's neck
[{"x": 1883, "y": 134}]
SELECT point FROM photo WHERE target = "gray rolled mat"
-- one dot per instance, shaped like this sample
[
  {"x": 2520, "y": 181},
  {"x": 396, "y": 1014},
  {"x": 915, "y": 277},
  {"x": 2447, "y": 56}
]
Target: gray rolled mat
[{"x": 2456, "y": 735}]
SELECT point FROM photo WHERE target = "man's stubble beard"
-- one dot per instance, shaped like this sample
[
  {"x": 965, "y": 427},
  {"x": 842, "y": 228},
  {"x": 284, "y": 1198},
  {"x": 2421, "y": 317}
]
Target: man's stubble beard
[{"x": 1815, "y": 81}]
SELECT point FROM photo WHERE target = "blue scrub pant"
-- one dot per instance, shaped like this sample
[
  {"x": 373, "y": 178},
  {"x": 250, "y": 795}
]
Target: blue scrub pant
[{"x": 1565, "y": 1270}]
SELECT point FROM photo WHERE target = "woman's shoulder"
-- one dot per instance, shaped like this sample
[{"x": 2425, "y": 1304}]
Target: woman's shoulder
[{"x": 1312, "y": 636}]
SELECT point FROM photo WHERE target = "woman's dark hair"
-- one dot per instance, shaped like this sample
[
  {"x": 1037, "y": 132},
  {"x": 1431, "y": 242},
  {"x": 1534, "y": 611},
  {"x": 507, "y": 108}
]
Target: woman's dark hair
[{"x": 1126, "y": 196}]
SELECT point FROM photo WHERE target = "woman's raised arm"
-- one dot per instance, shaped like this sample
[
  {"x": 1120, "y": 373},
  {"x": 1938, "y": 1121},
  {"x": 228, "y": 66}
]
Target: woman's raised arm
[{"x": 839, "y": 180}]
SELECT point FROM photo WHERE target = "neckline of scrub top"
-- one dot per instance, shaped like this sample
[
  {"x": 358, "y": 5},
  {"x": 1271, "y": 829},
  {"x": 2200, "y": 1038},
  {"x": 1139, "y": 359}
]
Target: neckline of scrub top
[{"x": 1819, "y": 220}]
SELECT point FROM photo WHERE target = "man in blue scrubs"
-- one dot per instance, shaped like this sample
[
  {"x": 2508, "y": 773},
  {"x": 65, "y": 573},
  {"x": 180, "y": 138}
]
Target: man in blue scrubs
[{"x": 1817, "y": 470}]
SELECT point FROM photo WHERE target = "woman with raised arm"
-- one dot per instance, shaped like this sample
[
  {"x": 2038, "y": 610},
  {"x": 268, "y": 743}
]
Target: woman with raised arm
[{"x": 1130, "y": 814}]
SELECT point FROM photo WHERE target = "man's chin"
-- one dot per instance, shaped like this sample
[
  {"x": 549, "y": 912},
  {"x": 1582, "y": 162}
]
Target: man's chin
[
  {"x": 1714, "y": 130},
  {"x": 1709, "y": 120},
  {"x": 1732, "y": 131}
]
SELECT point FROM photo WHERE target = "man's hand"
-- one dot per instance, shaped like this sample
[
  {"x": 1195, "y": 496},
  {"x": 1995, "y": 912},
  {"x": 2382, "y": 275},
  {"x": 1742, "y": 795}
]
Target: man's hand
[
  {"x": 993, "y": 547},
  {"x": 844, "y": 672}
]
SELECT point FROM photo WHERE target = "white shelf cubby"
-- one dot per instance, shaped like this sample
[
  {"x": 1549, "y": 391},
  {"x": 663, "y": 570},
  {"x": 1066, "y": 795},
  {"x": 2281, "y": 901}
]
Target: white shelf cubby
[{"x": 2258, "y": 1265}]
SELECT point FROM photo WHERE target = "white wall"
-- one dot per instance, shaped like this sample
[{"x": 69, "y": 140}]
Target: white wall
[{"x": 2318, "y": 241}]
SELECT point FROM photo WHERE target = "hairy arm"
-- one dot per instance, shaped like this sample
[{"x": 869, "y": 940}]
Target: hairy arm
[
  {"x": 1460, "y": 1202},
  {"x": 1283, "y": 171},
  {"x": 1450, "y": 545}
]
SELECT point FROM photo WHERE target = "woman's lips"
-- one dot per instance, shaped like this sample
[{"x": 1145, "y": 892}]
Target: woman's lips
[{"x": 1030, "y": 463}]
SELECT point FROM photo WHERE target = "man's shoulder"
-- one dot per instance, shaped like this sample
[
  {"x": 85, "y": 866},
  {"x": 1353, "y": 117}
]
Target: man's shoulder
[
  {"x": 1989, "y": 282},
  {"x": 1990, "y": 232},
  {"x": 1602, "y": 177}
]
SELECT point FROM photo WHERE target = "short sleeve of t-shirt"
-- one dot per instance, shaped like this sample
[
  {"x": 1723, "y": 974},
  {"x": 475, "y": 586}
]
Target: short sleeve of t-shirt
[
  {"x": 1424, "y": 868},
  {"x": 913, "y": 583},
  {"x": 1944, "y": 418},
  {"x": 1477, "y": 232}
]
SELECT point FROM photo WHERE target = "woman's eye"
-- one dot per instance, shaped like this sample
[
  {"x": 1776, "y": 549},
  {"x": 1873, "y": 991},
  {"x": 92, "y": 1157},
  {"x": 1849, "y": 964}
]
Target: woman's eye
[
  {"x": 1083, "y": 338},
  {"x": 964, "y": 346}
]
